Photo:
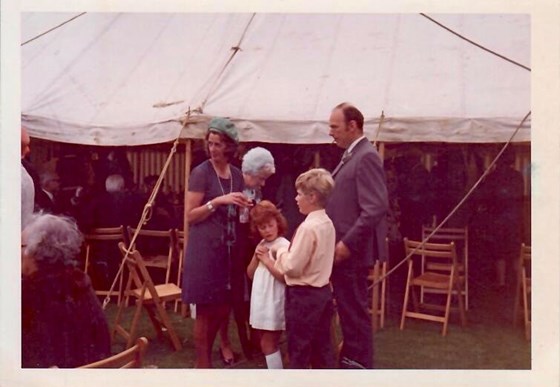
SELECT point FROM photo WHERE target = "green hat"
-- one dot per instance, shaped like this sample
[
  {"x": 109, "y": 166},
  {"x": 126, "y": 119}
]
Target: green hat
[{"x": 224, "y": 126}]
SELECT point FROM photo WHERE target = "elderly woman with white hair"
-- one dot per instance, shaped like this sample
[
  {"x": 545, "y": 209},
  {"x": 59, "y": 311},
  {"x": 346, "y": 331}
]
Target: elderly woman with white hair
[
  {"x": 63, "y": 324},
  {"x": 257, "y": 166}
]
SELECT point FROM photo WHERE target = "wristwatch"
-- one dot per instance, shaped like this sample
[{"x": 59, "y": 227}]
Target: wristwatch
[{"x": 210, "y": 206}]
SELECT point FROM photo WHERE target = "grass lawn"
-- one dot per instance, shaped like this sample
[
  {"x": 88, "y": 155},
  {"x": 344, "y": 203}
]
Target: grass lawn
[{"x": 489, "y": 341}]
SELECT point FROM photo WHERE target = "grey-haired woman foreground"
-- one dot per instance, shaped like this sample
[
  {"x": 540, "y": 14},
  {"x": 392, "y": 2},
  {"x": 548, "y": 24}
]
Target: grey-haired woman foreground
[{"x": 63, "y": 324}]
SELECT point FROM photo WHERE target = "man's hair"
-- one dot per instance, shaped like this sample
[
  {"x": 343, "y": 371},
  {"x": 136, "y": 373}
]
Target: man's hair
[
  {"x": 114, "y": 183},
  {"x": 351, "y": 113},
  {"x": 53, "y": 240},
  {"x": 318, "y": 181},
  {"x": 257, "y": 160},
  {"x": 231, "y": 146},
  {"x": 265, "y": 211},
  {"x": 47, "y": 176}
]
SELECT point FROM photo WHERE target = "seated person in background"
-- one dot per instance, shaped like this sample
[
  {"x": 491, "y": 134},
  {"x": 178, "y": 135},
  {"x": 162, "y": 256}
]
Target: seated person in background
[
  {"x": 112, "y": 208},
  {"x": 46, "y": 199},
  {"x": 162, "y": 211},
  {"x": 63, "y": 324}
]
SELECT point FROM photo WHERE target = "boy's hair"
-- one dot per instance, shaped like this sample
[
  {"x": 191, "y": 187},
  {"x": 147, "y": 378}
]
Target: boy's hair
[
  {"x": 263, "y": 212},
  {"x": 318, "y": 181}
]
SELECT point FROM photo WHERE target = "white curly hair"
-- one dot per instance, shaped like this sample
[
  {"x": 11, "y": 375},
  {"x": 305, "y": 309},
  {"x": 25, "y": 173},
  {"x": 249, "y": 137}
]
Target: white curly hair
[{"x": 258, "y": 160}]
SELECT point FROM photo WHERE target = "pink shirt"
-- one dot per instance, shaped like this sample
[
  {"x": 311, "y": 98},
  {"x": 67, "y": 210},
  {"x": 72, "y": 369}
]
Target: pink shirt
[{"x": 309, "y": 258}]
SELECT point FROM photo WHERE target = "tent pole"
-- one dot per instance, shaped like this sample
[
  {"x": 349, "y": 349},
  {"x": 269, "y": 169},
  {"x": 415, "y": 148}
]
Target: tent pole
[
  {"x": 316, "y": 159},
  {"x": 382, "y": 150},
  {"x": 188, "y": 160}
]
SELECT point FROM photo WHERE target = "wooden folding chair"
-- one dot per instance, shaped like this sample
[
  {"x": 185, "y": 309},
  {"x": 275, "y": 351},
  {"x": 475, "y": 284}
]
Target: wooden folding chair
[
  {"x": 148, "y": 296},
  {"x": 378, "y": 292},
  {"x": 460, "y": 236},
  {"x": 523, "y": 289},
  {"x": 94, "y": 241},
  {"x": 158, "y": 248},
  {"x": 129, "y": 358},
  {"x": 439, "y": 271}
]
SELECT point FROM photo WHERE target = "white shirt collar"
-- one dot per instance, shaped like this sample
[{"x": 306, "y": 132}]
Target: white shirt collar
[
  {"x": 50, "y": 195},
  {"x": 353, "y": 145}
]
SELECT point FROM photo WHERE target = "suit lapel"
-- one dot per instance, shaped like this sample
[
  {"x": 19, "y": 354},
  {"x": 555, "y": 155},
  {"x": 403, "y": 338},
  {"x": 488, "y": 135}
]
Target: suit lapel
[{"x": 347, "y": 156}]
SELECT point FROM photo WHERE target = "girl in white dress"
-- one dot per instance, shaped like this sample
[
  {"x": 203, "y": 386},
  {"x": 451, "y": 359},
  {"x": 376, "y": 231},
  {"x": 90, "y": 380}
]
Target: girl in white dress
[{"x": 267, "y": 294}]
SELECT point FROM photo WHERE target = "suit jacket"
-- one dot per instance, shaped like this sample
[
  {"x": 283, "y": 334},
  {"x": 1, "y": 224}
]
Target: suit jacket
[
  {"x": 358, "y": 205},
  {"x": 44, "y": 203}
]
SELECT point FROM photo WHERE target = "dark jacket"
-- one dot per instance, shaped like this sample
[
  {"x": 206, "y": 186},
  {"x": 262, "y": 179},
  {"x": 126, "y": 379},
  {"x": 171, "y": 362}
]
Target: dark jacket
[
  {"x": 358, "y": 205},
  {"x": 63, "y": 323}
]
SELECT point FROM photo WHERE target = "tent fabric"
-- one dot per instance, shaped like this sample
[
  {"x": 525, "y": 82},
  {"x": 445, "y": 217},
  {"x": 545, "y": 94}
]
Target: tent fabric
[{"x": 131, "y": 78}]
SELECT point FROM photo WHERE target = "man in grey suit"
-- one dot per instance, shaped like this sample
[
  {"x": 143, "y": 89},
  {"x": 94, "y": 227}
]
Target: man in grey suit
[{"x": 357, "y": 207}]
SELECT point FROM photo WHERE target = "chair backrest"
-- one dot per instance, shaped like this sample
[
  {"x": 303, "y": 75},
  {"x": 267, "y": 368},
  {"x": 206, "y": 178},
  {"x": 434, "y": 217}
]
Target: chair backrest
[
  {"x": 101, "y": 234},
  {"x": 166, "y": 234},
  {"x": 138, "y": 272},
  {"x": 152, "y": 242},
  {"x": 459, "y": 235},
  {"x": 105, "y": 234},
  {"x": 440, "y": 257},
  {"x": 129, "y": 358}
]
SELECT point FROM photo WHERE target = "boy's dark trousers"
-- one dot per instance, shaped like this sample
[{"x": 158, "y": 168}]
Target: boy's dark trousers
[{"x": 309, "y": 311}]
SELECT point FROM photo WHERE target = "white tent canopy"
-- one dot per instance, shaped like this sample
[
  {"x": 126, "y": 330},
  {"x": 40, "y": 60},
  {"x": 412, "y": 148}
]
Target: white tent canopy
[{"x": 130, "y": 79}]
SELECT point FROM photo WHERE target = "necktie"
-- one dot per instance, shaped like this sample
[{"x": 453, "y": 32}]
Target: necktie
[{"x": 345, "y": 156}]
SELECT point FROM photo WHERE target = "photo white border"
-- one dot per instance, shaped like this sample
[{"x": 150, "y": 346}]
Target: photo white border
[{"x": 545, "y": 204}]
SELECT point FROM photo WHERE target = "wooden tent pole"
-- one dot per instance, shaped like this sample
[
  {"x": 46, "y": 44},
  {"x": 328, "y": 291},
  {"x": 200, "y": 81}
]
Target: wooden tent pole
[
  {"x": 316, "y": 159},
  {"x": 382, "y": 150},
  {"x": 188, "y": 161}
]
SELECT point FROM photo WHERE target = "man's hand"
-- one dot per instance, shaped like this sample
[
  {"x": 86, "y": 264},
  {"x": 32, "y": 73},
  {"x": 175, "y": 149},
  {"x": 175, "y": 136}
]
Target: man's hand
[{"x": 341, "y": 252}]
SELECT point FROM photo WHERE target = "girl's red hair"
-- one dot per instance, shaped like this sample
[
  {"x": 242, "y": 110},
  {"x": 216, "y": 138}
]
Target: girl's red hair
[{"x": 262, "y": 212}]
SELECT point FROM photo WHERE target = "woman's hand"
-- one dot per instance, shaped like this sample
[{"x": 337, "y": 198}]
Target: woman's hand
[{"x": 236, "y": 198}]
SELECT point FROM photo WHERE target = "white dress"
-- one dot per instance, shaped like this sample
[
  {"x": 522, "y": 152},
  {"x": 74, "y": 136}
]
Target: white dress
[{"x": 267, "y": 296}]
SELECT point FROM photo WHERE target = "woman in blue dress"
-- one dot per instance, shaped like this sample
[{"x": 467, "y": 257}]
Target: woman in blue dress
[{"x": 213, "y": 197}]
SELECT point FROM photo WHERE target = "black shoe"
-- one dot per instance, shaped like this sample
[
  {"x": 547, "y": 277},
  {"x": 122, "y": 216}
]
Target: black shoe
[
  {"x": 229, "y": 362},
  {"x": 346, "y": 363}
]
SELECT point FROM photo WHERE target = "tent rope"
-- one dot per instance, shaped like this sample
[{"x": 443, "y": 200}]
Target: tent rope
[
  {"x": 454, "y": 210},
  {"x": 147, "y": 211},
  {"x": 475, "y": 44},
  {"x": 52, "y": 29},
  {"x": 234, "y": 50}
]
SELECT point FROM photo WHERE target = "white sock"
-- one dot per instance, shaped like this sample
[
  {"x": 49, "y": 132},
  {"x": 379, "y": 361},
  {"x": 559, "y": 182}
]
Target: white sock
[{"x": 274, "y": 360}]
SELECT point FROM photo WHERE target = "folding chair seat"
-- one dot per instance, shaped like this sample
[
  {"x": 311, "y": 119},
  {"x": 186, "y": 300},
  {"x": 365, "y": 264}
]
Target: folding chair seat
[
  {"x": 158, "y": 248},
  {"x": 129, "y": 358},
  {"x": 102, "y": 259},
  {"x": 149, "y": 297},
  {"x": 438, "y": 263},
  {"x": 460, "y": 236},
  {"x": 523, "y": 289}
]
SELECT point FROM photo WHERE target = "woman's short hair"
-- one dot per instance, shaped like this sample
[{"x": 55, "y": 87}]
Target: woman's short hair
[
  {"x": 258, "y": 160},
  {"x": 53, "y": 240},
  {"x": 114, "y": 183},
  {"x": 231, "y": 146},
  {"x": 318, "y": 181},
  {"x": 262, "y": 212}
]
